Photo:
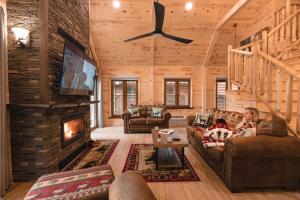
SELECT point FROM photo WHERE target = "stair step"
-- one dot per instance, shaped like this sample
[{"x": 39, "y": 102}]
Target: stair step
[
  {"x": 292, "y": 61},
  {"x": 294, "y": 53}
]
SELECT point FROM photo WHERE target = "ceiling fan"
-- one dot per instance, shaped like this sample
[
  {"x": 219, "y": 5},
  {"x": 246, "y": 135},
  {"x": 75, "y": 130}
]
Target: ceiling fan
[{"x": 159, "y": 16}]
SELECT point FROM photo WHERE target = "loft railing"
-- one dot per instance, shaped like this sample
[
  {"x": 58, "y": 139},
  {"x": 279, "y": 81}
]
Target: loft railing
[{"x": 283, "y": 35}]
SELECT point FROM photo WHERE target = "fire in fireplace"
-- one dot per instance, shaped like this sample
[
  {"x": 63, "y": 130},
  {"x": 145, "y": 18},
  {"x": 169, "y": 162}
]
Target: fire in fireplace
[{"x": 72, "y": 129}]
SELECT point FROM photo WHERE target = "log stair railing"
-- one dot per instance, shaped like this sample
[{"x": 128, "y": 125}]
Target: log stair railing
[{"x": 257, "y": 68}]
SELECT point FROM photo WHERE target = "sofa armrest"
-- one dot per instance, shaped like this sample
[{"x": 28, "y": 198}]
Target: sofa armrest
[
  {"x": 190, "y": 119},
  {"x": 167, "y": 116},
  {"x": 262, "y": 146},
  {"x": 130, "y": 186},
  {"x": 126, "y": 115}
]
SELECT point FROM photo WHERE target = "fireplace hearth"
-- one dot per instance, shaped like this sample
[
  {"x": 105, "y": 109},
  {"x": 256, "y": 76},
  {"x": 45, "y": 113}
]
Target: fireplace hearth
[{"x": 72, "y": 129}]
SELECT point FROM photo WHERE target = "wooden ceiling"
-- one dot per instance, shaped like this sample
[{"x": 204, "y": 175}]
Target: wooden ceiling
[{"x": 110, "y": 27}]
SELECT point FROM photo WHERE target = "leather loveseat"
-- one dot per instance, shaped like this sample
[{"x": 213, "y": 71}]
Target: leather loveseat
[
  {"x": 261, "y": 161},
  {"x": 144, "y": 123}
]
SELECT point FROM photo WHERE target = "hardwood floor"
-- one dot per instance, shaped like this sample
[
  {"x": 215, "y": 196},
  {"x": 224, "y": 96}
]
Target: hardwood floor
[{"x": 210, "y": 187}]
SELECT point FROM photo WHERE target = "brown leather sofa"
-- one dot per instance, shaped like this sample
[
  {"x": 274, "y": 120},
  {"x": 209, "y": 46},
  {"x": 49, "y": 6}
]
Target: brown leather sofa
[
  {"x": 130, "y": 186},
  {"x": 144, "y": 123},
  {"x": 261, "y": 161}
]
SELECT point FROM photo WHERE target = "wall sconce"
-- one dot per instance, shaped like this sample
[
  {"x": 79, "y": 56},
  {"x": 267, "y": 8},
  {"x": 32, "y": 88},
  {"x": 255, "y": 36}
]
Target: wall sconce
[{"x": 22, "y": 36}]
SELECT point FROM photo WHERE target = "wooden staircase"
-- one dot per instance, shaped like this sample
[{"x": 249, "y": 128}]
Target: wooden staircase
[{"x": 269, "y": 69}]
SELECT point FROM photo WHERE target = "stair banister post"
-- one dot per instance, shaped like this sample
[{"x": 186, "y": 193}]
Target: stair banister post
[
  {"x": 288, "y": 25},
  {"x": 255, "y": 68},
  {"x": 265, "y": 41},
  {"x": 269, "y": 82},
  {"x": 294, "y": 25},
  {"x": 298, "y": 108},
  {"x": 289, "y": 96},
  {"x": 229, "y": 67},
  {"x": 288, "y": 8},
  {"x": 278, "y": 90}
]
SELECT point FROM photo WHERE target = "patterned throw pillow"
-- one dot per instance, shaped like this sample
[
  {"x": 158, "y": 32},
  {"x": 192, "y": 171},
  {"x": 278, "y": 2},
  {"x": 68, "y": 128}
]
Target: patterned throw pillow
[
  {"x": 220, "y": 114},
  {"x": 202, "y": 120},
  {"x": 273, "y": 126},
  {"x": 134, "y": 111},
  {"x": 156, "y": 112},
  {"x": 234, "y": 119}
]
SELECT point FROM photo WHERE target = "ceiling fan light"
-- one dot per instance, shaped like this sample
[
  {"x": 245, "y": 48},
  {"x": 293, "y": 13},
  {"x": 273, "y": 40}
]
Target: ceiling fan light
[
  {"x": 116, "y": 4},
  {"x": 189, "y": 5}
]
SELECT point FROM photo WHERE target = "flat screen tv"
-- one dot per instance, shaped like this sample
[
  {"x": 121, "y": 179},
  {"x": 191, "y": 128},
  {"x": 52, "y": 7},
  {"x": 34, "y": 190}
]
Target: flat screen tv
[{"x": 79, "y": 72}]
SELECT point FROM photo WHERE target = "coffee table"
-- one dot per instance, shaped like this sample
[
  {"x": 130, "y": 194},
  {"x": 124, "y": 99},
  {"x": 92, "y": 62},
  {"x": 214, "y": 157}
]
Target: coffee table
[{"x": 165, "y": 152}]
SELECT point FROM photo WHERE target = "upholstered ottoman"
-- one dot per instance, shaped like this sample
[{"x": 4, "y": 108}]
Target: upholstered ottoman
[{"x": 90, "y": 183}]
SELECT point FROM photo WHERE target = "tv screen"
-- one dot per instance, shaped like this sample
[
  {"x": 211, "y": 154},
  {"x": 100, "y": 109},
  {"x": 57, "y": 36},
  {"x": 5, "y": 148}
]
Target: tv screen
[{"x": 79, "y": 72}]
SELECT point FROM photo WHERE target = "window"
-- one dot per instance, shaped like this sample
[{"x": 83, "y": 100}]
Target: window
[
  {"x": 221, "y": 94},
  {"x": 177, "y": 93},
  {"x": 93, "y": 108},
  {"x": 124, "y": 94}
]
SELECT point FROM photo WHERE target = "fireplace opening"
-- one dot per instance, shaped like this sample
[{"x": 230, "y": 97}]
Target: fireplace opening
[{"x": 72, "y": 129}]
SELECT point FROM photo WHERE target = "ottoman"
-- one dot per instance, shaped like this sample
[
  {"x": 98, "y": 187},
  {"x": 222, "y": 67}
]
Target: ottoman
[{"x": 91, "y": 183}]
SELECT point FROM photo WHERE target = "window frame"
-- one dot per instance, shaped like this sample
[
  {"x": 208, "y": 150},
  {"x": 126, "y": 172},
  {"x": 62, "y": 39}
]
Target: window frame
[
  {"x": 177, "y": 80},
  {"x": 95, "y": 104},
  {"x": 124, "y": 95},
  {"x": 226, "y": 88}
]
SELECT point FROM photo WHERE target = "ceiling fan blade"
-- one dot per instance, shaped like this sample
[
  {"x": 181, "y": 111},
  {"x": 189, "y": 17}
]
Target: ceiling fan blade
[
  {"x": 178, "y": 39},
  {"x": 159, "y": 16},
  {"x": 139, "y": 37}
]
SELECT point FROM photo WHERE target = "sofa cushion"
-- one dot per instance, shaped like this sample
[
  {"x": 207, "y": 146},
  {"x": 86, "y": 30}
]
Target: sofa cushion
[
  {"x": 273, "y": 126},
  {"x": 199, "y": 132},
  {"x": 157, "y": 112},
  {"x": 220, "y": 114},
  {"x": 90, "y": 183},
  {"x": 234, "y": 119},
  {"x": 202, "y": 120},
  {"x": 137, "y": 121},
  {"x": 154, "y": 121},
  {"x": 155, "y": 106},
  {"x": 134, "y": 111},
  {"x": 143, "y": 110},
  {"x": 216, "y": 153}
]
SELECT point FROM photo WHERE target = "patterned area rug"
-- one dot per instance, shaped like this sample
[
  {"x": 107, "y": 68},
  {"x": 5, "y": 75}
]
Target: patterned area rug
[
  {"x": 97, "y": 153},
  {"x": 139, "y": 160}
]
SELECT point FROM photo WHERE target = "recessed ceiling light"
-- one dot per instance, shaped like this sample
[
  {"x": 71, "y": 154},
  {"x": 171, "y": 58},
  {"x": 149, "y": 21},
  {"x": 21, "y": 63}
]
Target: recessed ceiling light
[
  {"x": 116, "y": 4},
  {"x": 189, "y": 5}
]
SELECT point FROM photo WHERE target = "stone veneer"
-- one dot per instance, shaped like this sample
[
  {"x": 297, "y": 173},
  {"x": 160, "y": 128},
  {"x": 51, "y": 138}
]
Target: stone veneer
[
  {"x": 36, "y": 117},
  {"x": 36, "y": 140}
]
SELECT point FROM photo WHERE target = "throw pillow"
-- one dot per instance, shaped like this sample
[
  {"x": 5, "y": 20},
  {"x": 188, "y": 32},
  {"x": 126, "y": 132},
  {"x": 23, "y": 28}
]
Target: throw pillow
[
  {"x": 273, "y": 126},
  {"x": 220, "y": 114},
  {"x": 202, "y": 120},
  {"x": 234, "y": 119},
  {"x": 157, "y": 112},
  {"x": 134, "y": 111}
]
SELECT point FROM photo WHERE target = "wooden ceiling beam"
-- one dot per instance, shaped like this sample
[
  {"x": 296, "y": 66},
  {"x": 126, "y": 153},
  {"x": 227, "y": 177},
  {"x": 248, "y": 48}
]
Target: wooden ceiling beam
[{"x": 231, "y": 13}]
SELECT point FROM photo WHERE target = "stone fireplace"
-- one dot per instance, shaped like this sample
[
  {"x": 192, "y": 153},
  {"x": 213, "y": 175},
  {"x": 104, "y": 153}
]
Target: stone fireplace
[
  {"x": 40, "y": 143},
  {"x": 72, "y": 129}
]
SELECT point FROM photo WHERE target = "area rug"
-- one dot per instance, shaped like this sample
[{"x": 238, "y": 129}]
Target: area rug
[
  {"x": 139, "y": 160},
  {"x": 97, "y": 153}
]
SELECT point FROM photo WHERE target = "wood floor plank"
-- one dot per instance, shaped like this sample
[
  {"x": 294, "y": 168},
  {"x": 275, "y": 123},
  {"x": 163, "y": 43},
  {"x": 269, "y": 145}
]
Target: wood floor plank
[{"x": 211, "y": 187}]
